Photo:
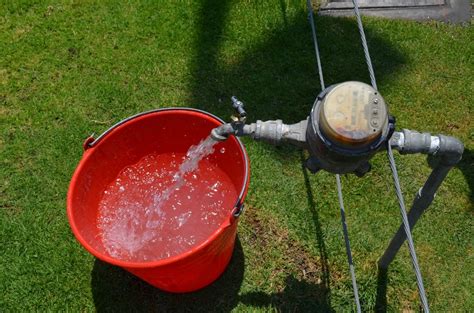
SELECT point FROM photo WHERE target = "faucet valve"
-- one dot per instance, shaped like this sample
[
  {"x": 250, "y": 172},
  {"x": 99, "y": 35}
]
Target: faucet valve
[{"x": 241, "y": 115}]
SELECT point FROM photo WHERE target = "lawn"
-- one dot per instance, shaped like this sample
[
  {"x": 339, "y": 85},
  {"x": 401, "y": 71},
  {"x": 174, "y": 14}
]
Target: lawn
[{"x": 72, "y": 68}]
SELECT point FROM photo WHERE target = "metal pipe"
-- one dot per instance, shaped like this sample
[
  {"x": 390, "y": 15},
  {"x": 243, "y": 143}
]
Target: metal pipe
[
  {"x": 273, "y": 132},
  {"x": 449, "y": 151}
]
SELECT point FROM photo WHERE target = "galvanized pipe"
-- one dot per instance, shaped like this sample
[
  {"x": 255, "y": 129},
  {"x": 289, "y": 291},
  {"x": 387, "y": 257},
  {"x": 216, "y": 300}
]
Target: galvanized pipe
[
  {"x": 449, "y": 151},
  {"x": 273, "y": 132}
]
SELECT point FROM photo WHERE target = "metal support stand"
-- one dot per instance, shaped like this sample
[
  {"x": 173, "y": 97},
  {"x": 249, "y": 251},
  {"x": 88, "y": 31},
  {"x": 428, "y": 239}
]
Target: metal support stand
[
  {"x": 423, "y": 199},
  {"x": 449, "y": 151}
]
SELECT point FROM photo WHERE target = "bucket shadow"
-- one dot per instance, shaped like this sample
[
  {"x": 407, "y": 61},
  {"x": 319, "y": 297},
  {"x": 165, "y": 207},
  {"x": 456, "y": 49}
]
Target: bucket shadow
[{"x": 116, "y": 290}]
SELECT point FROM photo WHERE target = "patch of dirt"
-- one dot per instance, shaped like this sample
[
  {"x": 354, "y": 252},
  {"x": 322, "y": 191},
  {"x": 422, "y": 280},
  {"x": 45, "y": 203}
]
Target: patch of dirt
[{"x": 266, "y": 235}]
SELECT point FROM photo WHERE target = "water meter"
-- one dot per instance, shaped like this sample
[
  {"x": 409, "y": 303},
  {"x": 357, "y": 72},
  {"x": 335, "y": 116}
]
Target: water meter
[{"x": 349, "y": 122}]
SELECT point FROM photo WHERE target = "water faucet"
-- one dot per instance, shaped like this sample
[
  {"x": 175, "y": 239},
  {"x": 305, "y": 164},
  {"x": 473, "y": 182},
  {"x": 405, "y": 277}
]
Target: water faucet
[
  {"x": 239, "y": 108},
  {"x": 273, "y": 132}
]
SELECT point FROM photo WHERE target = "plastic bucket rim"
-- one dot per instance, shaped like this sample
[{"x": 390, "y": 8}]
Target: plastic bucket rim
[{"x": 129, "y": 264}]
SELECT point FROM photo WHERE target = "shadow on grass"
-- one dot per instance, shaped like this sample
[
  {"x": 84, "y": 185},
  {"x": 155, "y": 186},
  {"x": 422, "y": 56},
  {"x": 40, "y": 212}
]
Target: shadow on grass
[
  {"x": 277, "y": 79},
  {"x": 301, "y": 295},
  {"x": 298, "y": 296},
  {"x": 317, "y": 222},
  {"x": 467, "y": 168},
  {"x": 116, "y": 290},
  {"x": 381, "y": 298}
]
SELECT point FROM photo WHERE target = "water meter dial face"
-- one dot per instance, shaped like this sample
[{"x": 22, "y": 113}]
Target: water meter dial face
[{"x": 353, "y": 114}]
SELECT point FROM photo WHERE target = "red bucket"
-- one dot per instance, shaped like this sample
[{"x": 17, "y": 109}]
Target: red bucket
[{"x": 124, "y": 144}]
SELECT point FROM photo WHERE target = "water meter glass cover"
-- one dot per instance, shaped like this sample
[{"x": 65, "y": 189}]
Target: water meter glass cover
[{"x": 353, "y": 115}]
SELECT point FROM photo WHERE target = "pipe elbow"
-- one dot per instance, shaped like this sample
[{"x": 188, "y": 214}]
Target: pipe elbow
[{"x": 450, "y": 150}]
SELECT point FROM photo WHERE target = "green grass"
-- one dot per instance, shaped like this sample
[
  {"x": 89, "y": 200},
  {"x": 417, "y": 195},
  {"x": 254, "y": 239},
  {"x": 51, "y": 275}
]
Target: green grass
[{"x": 71, "y": 69}]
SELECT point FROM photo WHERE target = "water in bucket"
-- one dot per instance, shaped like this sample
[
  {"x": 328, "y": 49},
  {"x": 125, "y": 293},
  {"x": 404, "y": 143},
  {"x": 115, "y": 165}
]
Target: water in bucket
[{"x": 164, "y": 205}]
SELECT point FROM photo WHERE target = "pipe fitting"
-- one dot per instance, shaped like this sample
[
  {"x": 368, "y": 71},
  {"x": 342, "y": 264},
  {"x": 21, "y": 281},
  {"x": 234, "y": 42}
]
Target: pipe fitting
[
  {"x": 450, "y": 150},
  {"x": 276, "y": 132},
  {"x": 409, "y": 142},
  {"x": 273, "y": 132},
  {"x": 447, "y": 148}
]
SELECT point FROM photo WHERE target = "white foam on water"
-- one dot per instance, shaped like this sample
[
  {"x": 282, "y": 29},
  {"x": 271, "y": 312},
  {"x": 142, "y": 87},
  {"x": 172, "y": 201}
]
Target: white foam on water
[{"x": 164, "y": 204}]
